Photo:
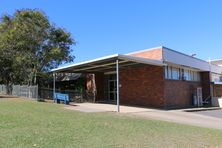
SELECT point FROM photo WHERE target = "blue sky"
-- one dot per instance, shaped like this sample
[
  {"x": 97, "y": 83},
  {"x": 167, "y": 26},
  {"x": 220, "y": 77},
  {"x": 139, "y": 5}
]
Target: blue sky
[{"x": 103, "y": 27}]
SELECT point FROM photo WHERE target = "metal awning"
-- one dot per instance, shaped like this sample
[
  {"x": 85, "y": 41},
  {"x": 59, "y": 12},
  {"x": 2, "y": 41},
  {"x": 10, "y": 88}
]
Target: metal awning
[{"x": 105, "y": 64}]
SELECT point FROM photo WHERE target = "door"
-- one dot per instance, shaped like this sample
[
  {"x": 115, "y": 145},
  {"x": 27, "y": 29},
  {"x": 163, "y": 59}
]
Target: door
[{"x": 112, "y": 94}]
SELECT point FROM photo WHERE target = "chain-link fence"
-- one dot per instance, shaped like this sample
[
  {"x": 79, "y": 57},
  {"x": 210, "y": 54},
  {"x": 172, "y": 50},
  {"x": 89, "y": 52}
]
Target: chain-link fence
[
  {"x": 2, "y": 89},
  {"x": 46, "y": 93},
  {"x": 74, "y": 95},
  {"x": 21, "y": 91}
]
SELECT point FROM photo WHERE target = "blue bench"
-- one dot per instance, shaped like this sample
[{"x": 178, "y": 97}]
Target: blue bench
[{"x": 61, "y": 97}]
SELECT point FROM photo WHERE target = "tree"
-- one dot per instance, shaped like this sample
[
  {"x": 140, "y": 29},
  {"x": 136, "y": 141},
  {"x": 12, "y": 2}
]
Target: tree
[{"x": 30, "y": 45}]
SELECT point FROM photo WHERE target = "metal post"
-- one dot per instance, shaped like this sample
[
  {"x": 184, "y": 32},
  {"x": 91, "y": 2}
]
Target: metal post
[
  {"x": 211, "y": 86},
  {"x": 54, "y": 86},
  {"x": 117, "y": 85}
]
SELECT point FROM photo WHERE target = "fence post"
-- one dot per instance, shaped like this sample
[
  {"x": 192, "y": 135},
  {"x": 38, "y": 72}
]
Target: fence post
[
  {"x": 54, "y": 83},
  {"x": 37, "y": 92},
  {"x": 29, "y": 87}
]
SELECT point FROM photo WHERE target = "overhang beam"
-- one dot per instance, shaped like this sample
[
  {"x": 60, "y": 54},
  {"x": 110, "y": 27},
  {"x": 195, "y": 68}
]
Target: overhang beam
[{"x": 98, "y": 66}]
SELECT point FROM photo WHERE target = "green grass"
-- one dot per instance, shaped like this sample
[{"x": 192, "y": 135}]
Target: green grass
[{"x": 32, "y": 124}]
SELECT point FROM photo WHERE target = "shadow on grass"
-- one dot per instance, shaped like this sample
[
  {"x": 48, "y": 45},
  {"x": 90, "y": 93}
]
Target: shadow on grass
[{"x": 7, "y": 96}]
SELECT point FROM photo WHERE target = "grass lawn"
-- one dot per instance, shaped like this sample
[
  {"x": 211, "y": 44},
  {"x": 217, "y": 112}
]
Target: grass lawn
[{"x": 26, "y": 123}]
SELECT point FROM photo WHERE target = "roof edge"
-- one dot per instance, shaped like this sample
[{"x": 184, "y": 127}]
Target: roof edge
[
  {"x": 144, "y": 50},
  {"x": 142, "y": 60},
  {"x": 85, "y": 62},
  {"x": 117, "y": 56},
  {"x": 184, "y": 54}
]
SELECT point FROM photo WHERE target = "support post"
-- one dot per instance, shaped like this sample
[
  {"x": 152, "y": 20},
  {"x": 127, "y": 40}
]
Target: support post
[
  {"x": 117, "y": 85},
  {"x": 211, "y": 86},
  {"x": 54, "y": 86}
]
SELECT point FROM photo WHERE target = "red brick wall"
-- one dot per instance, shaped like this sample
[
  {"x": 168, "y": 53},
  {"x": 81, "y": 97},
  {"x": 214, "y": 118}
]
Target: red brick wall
[
  {"x": 178, "y": 93},
  {"x": 151, "y": 54},
  {"x": 146, "y": 86},
  {"x": 142, "y": 86},
  {"x": 99, "y": 79},
  {"x": 217, "y": 91},
  {"x": 205, "y": 79}
]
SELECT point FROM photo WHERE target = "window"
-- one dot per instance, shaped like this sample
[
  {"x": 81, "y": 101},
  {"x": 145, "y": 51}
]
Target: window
[
  {"x": 198, "y": 76},
  {"x": 195, "y": 76},
  {"x": 189, "y": 75},
  {"x": 216, "y": 77},
  {"x": 186, "y": 74},
  {"x": 175, "y": 73},
  {"x": 166, "y": 72},
  {"x": 181, "y": 74},
  {"x": 172, "y": 73},
  {"x": 169, "y": 72}
]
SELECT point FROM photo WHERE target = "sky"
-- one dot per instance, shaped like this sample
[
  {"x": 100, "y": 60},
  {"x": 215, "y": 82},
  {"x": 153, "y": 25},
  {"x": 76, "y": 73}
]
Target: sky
[{"x": 104, "y": 27}]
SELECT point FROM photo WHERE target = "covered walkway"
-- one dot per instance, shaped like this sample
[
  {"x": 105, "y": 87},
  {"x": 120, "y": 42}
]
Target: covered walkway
[{"x": 107, "y": 64}]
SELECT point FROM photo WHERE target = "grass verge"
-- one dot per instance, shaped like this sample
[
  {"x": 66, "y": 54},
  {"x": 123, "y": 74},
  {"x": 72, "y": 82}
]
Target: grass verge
[{"x": 25, "y": 123}]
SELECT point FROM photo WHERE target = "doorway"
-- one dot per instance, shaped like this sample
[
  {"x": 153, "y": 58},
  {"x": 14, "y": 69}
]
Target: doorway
[{"x": 112, "y": 89}]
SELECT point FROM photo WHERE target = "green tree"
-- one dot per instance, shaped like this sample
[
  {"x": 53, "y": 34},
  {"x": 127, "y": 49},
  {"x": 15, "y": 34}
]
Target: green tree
[{"x": 30, "y": 45}]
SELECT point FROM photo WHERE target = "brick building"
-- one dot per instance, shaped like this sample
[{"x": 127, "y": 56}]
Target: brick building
[{"x": 158, "y": 77}]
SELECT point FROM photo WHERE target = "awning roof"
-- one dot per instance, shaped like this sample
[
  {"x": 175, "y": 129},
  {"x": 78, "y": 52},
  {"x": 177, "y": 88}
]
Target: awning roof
[
  {"x": 217, "y": 83},
  {"x": 217, "y": 62},
  {"x": 106, "y": 63}
]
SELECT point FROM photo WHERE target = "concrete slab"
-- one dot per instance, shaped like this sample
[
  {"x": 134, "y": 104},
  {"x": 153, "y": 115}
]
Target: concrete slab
[
  {"x": 196, "y": 109},
  {"x": 101, "y": 107}
]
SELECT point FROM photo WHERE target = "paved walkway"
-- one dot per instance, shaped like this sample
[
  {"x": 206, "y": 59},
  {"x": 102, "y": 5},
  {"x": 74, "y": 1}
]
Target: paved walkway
[
  {"x": 190, "y": 118},
  {"x": 100, "y": 107},
  {"x": 177, "y": 116},
  {"x": 212, "y": 113}
]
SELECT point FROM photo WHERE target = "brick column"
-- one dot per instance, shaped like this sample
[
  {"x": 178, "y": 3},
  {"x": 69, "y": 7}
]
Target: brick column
[{"x": 205, "y": 81}]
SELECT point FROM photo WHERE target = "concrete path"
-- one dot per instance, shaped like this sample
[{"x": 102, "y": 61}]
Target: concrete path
[
  {"x": 177, "y": 116},
  {"x": 212, "y": 113},
  {"x": 190, "y": 118},
  {"x": 100, "y": 107}
]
